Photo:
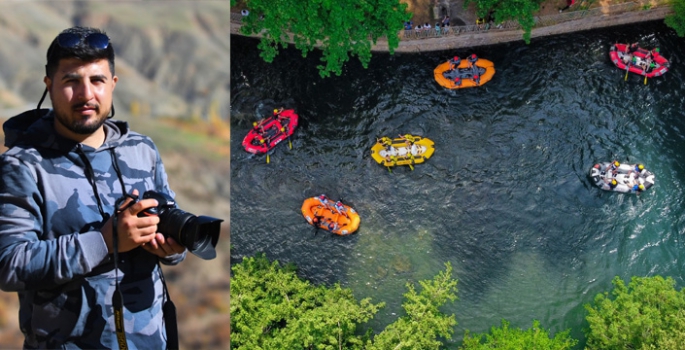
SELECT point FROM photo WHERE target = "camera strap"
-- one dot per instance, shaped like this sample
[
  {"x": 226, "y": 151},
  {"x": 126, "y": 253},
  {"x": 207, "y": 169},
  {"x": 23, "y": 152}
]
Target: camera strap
[
  {"x": 117, "y": 297},
  {"x": 168, "y": 309},
  {"x": 169, "y": 313}
]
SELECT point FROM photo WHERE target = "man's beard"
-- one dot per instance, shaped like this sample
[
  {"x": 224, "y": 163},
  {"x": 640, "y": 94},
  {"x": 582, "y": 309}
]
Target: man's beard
[{"x": 79, "y": 126}]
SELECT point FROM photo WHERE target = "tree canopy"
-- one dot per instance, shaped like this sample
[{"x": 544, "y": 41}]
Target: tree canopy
[
  {"x": 647, "y": 314},
  {"x": 505, "y": 10},
  {"x": 424, "y": 322},
  {"x": 677, "y": 19},
  {"x": 340, "y": 28},
  {"x": 505, "y": 338},
  {"x": 272, "y": 308}
]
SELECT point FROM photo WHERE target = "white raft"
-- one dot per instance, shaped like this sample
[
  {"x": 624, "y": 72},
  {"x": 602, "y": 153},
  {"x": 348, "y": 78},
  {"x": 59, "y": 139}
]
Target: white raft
[{"x": 630, "y": 178}]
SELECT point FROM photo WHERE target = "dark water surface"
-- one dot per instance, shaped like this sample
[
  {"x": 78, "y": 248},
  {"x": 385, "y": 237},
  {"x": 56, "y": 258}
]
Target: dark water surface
[{"x": 505, "y": 198}]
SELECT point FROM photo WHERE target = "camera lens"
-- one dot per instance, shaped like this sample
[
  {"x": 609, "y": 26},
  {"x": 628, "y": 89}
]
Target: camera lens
[
  {"x": 172, "y": 223},
  {"x": 199, "y": 234}
]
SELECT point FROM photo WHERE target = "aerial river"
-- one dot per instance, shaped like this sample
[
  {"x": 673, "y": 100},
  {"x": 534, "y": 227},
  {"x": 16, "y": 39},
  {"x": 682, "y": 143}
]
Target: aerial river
[{"x": 506, "y": 198}]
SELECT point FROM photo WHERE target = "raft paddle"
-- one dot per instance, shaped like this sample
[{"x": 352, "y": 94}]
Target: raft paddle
[
  {"x": 645, "y": 79},
  {"x": 627, "y": 70},
  {"x": 267, "y": 155},
  {"x": 290, "y": 145}
]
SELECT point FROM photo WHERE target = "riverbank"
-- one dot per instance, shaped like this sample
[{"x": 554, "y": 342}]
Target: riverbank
[
  {"x": 497, "y": 36},
  {"x": 473, "y": 36}
]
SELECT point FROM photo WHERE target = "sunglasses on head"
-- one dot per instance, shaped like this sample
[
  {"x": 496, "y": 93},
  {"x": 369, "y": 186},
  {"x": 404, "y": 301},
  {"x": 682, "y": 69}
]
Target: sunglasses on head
[{"x": 94, "y": 40}]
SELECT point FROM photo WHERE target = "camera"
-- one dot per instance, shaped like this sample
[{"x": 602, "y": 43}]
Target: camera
[{"x": 199, "y": 234}]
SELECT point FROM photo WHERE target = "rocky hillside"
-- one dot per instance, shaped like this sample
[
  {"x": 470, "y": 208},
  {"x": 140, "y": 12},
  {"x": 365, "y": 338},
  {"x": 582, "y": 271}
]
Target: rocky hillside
[{"x": 172, "y": 59}]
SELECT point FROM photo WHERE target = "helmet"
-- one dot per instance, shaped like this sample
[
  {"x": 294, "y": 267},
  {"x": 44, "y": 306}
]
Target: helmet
[
  {"x": 262, "y": 140},
  {"x": 473, "y": 56},
  {"x": 315, "y": 219},
  {"x": 641, "y": 187},
  {"x": 640, "y": 166},
  {"x": 613, "y": 182},
  {"x": 635, "y": 188},
  {"x": 275, "y": 111},
  {"x": 338, "y": 203},
  {"x": 322, "y": 197},
  {"x": 616, "y": 163},
  {"x": 475, "y": 77},
  {"x": 656, "y": 50}
]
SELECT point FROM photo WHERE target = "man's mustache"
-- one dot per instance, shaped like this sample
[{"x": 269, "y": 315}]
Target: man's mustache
[{"x": 94, "y": 106}]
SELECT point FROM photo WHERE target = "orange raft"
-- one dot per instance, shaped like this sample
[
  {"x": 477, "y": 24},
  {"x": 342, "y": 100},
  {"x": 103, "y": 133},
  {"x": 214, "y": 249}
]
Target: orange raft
[
  {"x": 329, "y": 217},
  {"x": 469, "y": 72}
]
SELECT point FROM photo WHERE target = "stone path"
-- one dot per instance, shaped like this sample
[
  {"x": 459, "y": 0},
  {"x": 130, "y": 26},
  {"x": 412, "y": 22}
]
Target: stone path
[{"x": 496, "y": 36}]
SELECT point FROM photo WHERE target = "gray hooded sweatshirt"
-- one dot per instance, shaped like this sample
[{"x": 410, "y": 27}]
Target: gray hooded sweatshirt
[{"x": 55, "y": 195}]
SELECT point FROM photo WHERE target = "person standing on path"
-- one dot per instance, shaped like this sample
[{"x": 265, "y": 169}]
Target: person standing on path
[{"x": 569, "y": 3}]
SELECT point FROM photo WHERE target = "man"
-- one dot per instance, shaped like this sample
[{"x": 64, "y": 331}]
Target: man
[
  {"x": 408, "y": 139},
  {"x": 614, "y": 167},
  {"x": 326, "y": 202},
  {"x": 340, "y": 208},
  {"x": 569, "y": 3},
  {"x": 64, "y": 175}
]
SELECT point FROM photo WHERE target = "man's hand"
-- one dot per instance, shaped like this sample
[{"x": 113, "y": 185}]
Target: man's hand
[
  {"x": 133, "y": 231},
  {"x": 163, "y": 246}
]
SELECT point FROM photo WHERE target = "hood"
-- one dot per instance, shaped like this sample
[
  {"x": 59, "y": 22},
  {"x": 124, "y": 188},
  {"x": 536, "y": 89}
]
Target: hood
[{"x": 36, "y": 128}]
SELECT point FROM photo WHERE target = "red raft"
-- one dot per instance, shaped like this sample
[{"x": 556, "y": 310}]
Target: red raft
[
  {"x": 270, "y": 132},
  {"x": 642, "y": 62}
]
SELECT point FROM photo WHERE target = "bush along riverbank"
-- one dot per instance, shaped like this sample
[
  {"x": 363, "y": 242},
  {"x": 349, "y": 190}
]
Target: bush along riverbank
[{"x": 273, "y": 308}]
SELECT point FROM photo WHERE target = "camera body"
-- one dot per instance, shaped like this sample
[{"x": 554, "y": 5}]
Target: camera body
[{"x": 199, "y": 234}]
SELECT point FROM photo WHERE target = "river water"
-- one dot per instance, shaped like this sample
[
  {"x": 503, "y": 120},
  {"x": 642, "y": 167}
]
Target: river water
[{"x": 506, "y": 198}]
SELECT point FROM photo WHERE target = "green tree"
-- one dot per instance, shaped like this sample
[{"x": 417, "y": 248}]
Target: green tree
[
  {"x": 340, "y": 28},
  {"x": 677, "y": 19},
  {"x": 504, "y": 10},
  {"x": 505, "y": 338},
  {"x": 647, "y": 314},
  {"x": 424, "y": 322},
  {"x": 272, "y": 308}
]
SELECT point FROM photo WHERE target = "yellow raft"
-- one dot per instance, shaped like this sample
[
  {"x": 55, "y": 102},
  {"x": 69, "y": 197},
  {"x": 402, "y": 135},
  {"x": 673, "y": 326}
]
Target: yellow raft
[
  {"x": 328, "y": 216},
  {"x": 466, "y": 74},
  {"x": 398, "y": 152}
]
